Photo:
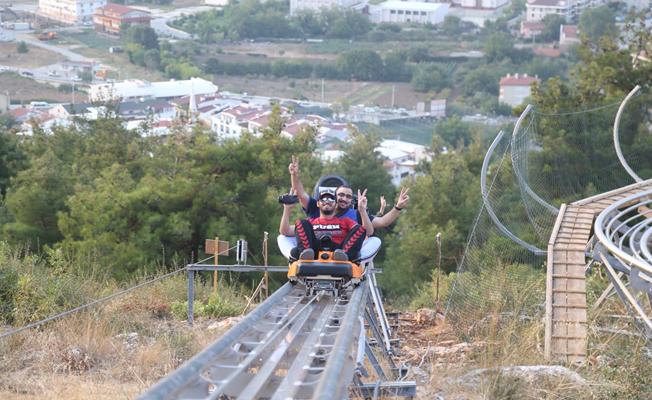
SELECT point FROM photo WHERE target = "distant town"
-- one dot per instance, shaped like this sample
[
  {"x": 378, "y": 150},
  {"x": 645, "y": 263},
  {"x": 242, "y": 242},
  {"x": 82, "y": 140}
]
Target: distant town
[{"x": 132, "y": 62}]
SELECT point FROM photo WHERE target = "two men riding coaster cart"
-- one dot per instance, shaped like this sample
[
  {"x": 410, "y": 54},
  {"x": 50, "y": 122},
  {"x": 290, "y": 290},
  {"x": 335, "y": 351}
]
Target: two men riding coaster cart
[{"x": 333, "y": 231}]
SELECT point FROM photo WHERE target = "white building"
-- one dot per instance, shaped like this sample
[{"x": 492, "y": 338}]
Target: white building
[
  {"x": 137, "y": 89},
  {"x": 402, "y": 158},
  {"x": 230, "y": 123},
  {"x": 536, "y": 10},
  {"x": 317, "y": 5},
  {"x": 69, "y": 11},
  {"x": 514, "y": 89},
  {"x": 408, "y": 11}
]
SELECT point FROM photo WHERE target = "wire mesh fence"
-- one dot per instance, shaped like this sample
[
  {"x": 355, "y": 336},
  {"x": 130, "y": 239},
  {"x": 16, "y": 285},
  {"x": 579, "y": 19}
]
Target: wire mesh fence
[{"x": 551, "y": 157}]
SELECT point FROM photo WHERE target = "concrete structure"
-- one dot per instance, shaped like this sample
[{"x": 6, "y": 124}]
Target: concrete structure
[
  {"x": 316, "y": 5},
  {"x": 111, "y": 17},
  {"x": 408, "y": 11},
  {"x": 434, "y": 108},
  {"x": 536, "y": 10},
  {"x": 136, "y": 89},
  {"x": 4, "y": 102},
  {"x": 514, "y": 89},
  {"x": 69, "y": 11}
]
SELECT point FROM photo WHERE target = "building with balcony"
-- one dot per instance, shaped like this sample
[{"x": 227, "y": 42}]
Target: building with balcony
[{"x": 111, "y": 17}]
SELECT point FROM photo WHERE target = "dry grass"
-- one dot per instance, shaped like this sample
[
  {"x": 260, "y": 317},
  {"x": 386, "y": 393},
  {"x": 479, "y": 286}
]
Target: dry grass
[
  {"x": 34, "y": 58},
  {"x": 112, "y": 352},
  {"x": 343, "y": 92},
  {"x": 481, "y": 365},
  {"x": 24, "y": 90}
]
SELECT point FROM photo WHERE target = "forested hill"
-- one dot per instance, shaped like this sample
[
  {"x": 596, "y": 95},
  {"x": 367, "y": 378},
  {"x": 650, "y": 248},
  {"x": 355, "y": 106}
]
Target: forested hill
[{"x": 137, "y": 202}]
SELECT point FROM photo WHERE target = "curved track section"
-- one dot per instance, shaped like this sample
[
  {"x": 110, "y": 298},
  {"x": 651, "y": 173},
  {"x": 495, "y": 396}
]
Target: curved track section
[
  {"x": 624, "y": 234},
  {"x": 489, "y": 207},
  {"x": 619, "y": 152}
]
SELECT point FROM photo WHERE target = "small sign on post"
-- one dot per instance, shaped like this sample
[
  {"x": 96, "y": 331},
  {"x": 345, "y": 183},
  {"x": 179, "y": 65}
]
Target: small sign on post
[
  {"x": 216, "y": 247},
  {"x": 241, "y": 252}
]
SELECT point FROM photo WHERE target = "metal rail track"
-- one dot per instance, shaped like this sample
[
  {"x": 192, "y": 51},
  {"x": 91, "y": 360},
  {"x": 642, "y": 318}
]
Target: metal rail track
[
  {"x": 624, "y": 240},
  {"x": 292, "y": 346}
]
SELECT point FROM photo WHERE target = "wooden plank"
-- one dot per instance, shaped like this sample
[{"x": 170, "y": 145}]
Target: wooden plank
[
  {"x": 547, "y": 345},
  {"x": 223, "y": 247}
]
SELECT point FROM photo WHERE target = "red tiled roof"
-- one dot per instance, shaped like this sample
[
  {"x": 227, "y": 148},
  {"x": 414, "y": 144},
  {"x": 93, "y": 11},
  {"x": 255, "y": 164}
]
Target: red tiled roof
[
  {"x": 518, "y": 80},
  {"x": 164, "y": 123},
  {"x": 570, "y": 31},
  {"x": 533, "y": 25},
  {"x": 118, "y": 9},
  {"x": 261, "y": 119},
  {"x": 240, "y": 111},
  {"x": 546, "y": 51},
  {"x": 293, "y": 129},
  {"x": 19, "y": 112}
]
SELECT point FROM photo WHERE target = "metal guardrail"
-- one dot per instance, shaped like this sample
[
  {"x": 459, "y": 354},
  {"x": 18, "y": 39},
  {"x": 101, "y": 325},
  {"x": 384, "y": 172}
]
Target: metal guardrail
[{"x": 624, "y": 239}]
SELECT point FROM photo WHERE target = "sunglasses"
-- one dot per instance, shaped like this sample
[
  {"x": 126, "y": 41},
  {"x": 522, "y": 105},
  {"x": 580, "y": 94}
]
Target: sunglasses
[{"x": 327, "y": 200}]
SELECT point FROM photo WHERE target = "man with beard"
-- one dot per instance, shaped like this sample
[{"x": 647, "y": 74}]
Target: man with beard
[
  {"x": 345, "y": 234},
  {"x": 344, "y": 197}
]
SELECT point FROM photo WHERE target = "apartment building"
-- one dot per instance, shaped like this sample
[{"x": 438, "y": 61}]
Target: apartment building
[
  {"x": 69, "y": 11},
  {"x": 536, "y": 10},
  {"x": 111, "y": 17}
]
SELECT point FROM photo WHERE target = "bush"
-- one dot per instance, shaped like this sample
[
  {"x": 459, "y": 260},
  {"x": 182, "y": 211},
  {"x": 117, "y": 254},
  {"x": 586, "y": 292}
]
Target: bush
[
  {"x": 224, "y": 303},
  {"x": 22, "y": 47}
]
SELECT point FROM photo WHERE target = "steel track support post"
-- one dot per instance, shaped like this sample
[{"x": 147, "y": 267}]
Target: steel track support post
[{"x": 191, "y": 295}]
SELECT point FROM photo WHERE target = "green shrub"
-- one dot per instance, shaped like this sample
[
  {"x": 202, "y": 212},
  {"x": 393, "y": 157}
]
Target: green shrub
[
  {"x": 215, "y": 306},
  {"x": 22, "y": 48}
]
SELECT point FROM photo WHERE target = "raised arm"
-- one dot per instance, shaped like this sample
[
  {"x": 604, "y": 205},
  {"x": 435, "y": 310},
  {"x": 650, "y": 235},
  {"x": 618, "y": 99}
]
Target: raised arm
[
  {"x": 297, "y": 186},
  {"x": 286, "y": 228},
  {"x": 391, "y": 216},
  {"x": 362, "y": 209},
  {"x": 383, "y": 204}
]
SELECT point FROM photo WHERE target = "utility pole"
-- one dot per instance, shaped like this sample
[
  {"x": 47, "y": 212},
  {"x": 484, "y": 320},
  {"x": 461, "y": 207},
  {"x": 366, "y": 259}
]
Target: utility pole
[
  {"x": 322, "y": 90},
  {"x": 438, "y": 240},
  {"x": 393, "y": 94}
]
